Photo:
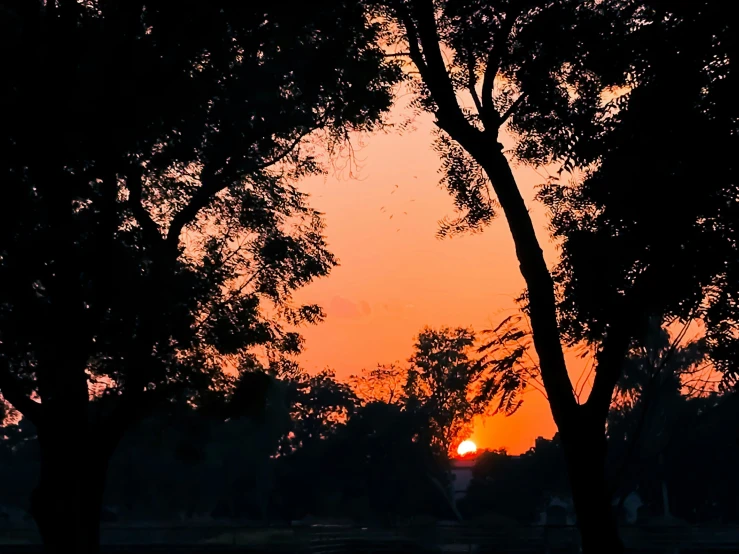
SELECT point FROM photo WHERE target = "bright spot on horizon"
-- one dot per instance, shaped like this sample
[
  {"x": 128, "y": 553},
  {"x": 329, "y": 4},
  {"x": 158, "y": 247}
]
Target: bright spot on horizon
[{"x": 466, "y": 447}]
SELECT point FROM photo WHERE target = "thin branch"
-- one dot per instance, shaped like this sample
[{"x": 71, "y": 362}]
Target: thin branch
[
  {"x": 512, "y": 108},
  {"x": 492, "y": 67},
  {"x": 413, "y": 41},
  {"x": 434, "y": 73},
  {"x": 580, "y": 384},
  {"x": 213, "y": 184},
  {"x": 472, "y": 79},
  {"x": 134, "y": 183}
]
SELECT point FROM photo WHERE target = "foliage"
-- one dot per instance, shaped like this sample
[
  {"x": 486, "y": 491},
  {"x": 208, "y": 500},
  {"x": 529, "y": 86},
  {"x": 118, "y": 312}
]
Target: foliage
[
  {"x": 159, "y": 216},
  {"x": 318, "y": 405},
  {"x": 625, "y": 231},
  {"x": 151, "y": 233},
  {"x": 374, "y": 469},
  {"x": 518, "y": 487},
  {"x": 510, "y": 368},
  {"x": 443, "y": 384}
]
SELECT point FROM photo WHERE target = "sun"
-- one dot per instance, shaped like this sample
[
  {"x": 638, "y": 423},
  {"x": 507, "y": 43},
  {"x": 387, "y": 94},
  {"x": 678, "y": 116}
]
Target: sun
[{"x": 466, "y": 447}]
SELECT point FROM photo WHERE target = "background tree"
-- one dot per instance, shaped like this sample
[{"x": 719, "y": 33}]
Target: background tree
[
  {"x": 150, "y": 232},
  {"x": 318, "y": 405},
  {"x": 374, "y": 469},
  {"x": 516, "y": 488},
  {"x": 442, "y": 385},
  {"x": 385, "y": 383},
  {"x": 648, "y": 402}
]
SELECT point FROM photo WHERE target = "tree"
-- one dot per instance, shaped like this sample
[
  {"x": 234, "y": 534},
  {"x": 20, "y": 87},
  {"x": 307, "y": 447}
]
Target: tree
[
  {"x": 625, "y": 226},
  {"x": 509, "y": 58},
  {"x": 543, "y": 71},
  {"x": 385, "y": 384},
  {"x": 444, "y": 385},
  {"x": 648, "y": 403},
  {"x": 318, "y": 404},
  {"x": 373, "y": 468},
  {"x": 569, "y": 79},
  {"x": 150, "y": 233},
  {"x": 442, "y": 382},
  {"x": 516, "y": 487}
]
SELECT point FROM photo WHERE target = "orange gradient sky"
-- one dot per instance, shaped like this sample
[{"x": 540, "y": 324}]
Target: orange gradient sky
[{"x": 395, "y": 276}]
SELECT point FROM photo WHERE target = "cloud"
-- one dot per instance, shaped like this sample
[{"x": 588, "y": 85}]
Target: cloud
[{"x": 345, "y": 308}]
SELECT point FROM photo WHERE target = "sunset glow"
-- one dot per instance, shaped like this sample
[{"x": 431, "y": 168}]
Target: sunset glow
[
  {"x": 395, "y": 276},
  {"x": 466, "y": 447}
]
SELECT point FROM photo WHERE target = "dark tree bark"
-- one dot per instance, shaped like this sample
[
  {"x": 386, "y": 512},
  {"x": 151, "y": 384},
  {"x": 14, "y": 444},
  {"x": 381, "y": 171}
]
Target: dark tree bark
[
  {"x": 67, "y": 502},
  {"x": 584, "y": 445}
]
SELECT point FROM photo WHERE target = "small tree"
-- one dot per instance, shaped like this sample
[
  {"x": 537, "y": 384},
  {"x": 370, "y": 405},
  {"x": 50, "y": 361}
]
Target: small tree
[{"x": 441, "y": 386}]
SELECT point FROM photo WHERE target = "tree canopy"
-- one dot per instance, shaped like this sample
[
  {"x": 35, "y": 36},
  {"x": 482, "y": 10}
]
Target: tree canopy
[{"x": 151, "y": 231}]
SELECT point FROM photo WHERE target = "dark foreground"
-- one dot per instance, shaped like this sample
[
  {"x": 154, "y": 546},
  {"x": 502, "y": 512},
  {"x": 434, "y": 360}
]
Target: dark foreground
[{"x": 206, "y": 539}]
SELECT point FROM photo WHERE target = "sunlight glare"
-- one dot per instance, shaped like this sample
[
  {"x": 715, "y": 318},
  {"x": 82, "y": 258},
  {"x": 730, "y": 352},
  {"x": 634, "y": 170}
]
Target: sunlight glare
[{"x": 466, "y": 447}]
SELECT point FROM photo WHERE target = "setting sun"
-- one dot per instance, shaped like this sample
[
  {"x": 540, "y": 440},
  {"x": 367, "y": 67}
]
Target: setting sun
[{"x": 466, "y": 447}]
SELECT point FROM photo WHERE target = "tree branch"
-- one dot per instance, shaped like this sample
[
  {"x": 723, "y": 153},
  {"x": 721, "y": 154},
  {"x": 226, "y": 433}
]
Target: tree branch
[
  {"x": 491, "y": 116},
  {"x": 631, "y": 317},
  {"x": 512, "y": 108},
  {"x": 213, "y": 183},
  {"x": 435, "y": 74},
  {"x": 134, "y": 183},
  {"x": 472, "y": 79}
]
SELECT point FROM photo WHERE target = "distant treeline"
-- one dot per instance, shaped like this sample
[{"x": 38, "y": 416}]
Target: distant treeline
[{"x": 319, "y": 447}]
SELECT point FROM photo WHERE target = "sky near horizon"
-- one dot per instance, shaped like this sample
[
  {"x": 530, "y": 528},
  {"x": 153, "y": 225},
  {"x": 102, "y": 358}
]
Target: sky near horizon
[{"x": 395, "y": 276}]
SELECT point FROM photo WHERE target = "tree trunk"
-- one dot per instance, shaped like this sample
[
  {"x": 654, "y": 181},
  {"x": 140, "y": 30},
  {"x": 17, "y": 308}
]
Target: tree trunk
[
  {"x": 585, "y": 454},
  {"x": 67, "y": 502}
]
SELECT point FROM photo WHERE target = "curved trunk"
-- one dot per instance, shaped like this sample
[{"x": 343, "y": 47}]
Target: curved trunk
[{"x": 582, "y": 428}]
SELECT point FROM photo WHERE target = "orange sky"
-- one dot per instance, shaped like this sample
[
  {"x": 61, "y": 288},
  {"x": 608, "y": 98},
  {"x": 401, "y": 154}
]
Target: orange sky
[{"x": 396, "y": 277}]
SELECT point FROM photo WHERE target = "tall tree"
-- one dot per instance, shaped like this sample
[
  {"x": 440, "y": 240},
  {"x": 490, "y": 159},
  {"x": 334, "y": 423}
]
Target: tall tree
[
  {"x": 150, "y": 233},
  {"x": 554, "y": 73}
]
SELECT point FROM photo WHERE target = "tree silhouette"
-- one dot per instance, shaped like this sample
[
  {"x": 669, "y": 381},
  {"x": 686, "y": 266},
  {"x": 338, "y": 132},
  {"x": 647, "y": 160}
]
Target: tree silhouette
[
  {"x": 318, "y": 404},
  {"x": 648, "y": 403},
  {"x": 441, "y": 386},
  {"x": 509, "y": 58},
  {"x": 150, "y": 233},
  {"x": 569, "y": 79},
  {"x": 385, "y": 383},
  {"x": 516, "y": 487},
  {"x": 370, "y": 469},
  {"x": 655, "y": 217}
]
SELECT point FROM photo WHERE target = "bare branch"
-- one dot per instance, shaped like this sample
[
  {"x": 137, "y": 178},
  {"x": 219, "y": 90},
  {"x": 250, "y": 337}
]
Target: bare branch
[{"x": 472, "y": 79}]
